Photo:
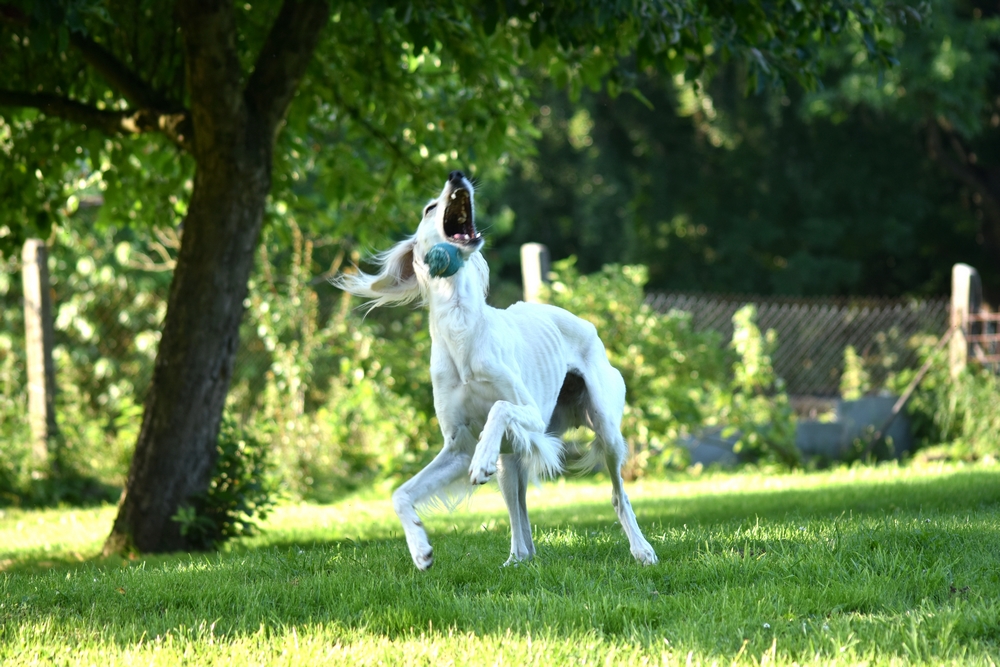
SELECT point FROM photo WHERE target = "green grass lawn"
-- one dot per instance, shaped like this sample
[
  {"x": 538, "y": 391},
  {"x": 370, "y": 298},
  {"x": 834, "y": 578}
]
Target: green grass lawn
[{"x": 869, "y": 565}]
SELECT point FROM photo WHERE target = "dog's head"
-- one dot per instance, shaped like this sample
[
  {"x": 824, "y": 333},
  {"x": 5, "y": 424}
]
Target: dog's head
[
  {"x": 450, "y": 219},
  {"x": 405, "y": 275}
]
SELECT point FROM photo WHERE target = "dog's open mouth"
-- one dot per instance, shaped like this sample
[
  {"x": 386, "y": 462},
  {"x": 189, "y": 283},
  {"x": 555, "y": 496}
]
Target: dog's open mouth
[{"x": 459, "y": 226}]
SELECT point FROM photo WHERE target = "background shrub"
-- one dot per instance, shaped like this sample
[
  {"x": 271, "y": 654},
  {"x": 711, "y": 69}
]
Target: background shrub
[
  {"x": 241, "y": 493},
  {"x": 953, "y": 418},
  {"x": 755, "y": 408}
]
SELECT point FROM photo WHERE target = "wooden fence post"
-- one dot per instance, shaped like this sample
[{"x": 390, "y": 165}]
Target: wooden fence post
[
  {"x": 39, "y": 340},
  {"x": 534, "y": 269},
  {"x": 966, "y": 299}
]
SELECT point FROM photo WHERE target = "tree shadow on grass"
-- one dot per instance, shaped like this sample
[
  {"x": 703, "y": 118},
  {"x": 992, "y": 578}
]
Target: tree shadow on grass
[
  {"x": 583, "y": 580},
  {"x": 950, "y": 493},
  {"x": 67, "y": 488}
]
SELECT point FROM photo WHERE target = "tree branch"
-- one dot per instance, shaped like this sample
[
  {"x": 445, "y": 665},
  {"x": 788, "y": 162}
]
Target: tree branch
[
  {"x": 114, "y": 123},
  {"x": 960, "y": 167},
  {"x": 12, "y": 15},
  {"x": 360, "y": 119},
  {"x": 282, "y": 62},
  {"x": 138, "y": 93},
  {"x": 153, "y": 112},
  {"x": 975, "y": 177}
]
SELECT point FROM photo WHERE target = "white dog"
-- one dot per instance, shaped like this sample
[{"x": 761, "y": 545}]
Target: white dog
[{"x": 507, "y": 383}]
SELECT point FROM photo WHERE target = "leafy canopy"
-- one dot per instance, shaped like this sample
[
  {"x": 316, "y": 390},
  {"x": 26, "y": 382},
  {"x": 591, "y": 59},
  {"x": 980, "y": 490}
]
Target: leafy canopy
[{"x": 93, "y": 101}]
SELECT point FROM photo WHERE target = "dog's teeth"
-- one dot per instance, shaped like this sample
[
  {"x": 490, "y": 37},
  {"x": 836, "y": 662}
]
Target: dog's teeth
[{"x": 452, "y": 195}]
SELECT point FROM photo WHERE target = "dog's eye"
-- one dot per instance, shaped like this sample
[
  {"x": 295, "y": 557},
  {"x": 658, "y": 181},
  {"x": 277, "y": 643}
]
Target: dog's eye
[{"x": 429, "y": 208}]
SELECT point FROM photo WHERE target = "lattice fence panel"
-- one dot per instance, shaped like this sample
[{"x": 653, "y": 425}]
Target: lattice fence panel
[{"x": 812, "y": 334}]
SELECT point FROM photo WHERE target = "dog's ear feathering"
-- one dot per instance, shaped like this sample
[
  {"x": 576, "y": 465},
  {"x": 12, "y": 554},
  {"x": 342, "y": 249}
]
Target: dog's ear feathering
[{"x": 394, "y": 284}]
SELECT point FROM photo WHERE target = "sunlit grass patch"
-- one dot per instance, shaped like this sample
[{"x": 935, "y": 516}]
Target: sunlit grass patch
[
  {"x": 52, "y": 535},
  {"x": 875, "y": 565}
]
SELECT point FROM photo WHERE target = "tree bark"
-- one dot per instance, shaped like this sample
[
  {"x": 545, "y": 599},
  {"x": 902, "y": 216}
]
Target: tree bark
[{"x": 234, "y": 132}]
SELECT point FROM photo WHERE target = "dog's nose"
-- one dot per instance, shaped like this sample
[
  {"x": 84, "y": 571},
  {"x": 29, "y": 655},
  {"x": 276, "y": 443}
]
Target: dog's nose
[{"x": 456, "y": 176}]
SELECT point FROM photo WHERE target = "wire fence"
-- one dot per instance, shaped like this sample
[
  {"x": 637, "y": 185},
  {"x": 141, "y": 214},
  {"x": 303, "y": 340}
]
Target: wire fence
[
  {"x": 984, "y": 337},
  {"x": 813, "y": 334}
]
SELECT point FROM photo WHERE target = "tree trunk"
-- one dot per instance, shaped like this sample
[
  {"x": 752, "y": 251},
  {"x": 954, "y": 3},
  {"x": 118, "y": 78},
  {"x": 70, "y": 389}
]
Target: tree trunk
[
  {"x": 175, "y": 453},
  {"x": 234, "y": 132}
]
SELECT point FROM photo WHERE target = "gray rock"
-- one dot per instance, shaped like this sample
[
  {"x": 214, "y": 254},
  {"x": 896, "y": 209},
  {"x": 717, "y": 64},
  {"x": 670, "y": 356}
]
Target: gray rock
[
  {"x": 710, "y": 447},
  {"x": 823, "y": 439},
  {"x": 834, "y": 441},
  {"x": 862, "y": 417}
]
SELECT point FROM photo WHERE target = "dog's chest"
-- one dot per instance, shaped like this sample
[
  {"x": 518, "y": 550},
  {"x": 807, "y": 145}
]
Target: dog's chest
[
  {"x": 454, "y": 344},
  {"x": 460, "y": 398},
  {"x": 469, "y": 403}
]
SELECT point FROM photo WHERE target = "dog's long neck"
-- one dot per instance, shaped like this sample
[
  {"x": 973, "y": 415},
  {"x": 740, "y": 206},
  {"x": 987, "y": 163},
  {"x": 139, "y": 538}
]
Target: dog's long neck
[
  {"x": 457, "y": 314},
  {"x": 459, "y": 298}
]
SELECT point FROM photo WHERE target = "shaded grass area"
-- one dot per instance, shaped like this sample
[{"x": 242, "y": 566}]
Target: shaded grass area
[{"x": 884, "y": 565}]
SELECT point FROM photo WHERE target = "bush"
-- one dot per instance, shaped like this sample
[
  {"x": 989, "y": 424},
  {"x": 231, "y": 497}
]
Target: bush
[
  {"x": 953, "y": 418},
  {"x": 680, "y": 380},
  {"x": 241, "y": 493},
  {"x": 105, "y": 321},
  {"x": 344, "y": 403},
  {"x": 755, "y": 407}
]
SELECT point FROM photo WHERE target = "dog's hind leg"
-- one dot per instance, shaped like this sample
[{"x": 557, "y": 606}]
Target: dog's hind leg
[
  {"x": 448, "y": 466},
  {"x": 513, "y": 478},
  {"x": 603, "y": 412},
  {"x": 641, "y": 549}
]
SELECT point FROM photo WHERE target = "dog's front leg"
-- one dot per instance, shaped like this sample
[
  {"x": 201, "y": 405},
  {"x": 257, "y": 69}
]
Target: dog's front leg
[
  {"x": 450, "y": 464},
  {"x": 514, "y": 485},
  {"x": 517, "y": 422}
]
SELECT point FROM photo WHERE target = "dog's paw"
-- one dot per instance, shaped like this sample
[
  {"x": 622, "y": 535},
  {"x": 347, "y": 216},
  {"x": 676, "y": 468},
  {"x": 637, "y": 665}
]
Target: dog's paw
[
  {"x": 424, "y": 560},
  {"x": 480, "y": 474},
  {"x": 644, "y": 554},
  {"x": 515, "y": 560}
]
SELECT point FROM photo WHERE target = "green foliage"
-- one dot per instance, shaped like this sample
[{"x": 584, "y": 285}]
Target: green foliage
[
  {"x": 715, "y": 192},
  {"x": 349, "y": 398},
  {"x": 855, "y": 381},
  {"x": 107, "y": 319},
  {"x": 946, "y": 89},
  {"x": 680, "y": 380},
  {"x": 396, "y": 91},
  {"x": 755, "y": 408},
  {"x": 669, "y": 369},
  {"x": 974, "y": 416},
  {"x": 241, "y": 493},
  {"x": 14, "y": 430},
  {"x": 953, "y": 418},
  {"x": 946, "y": 67},
  {"x": 107, "y": 315}
]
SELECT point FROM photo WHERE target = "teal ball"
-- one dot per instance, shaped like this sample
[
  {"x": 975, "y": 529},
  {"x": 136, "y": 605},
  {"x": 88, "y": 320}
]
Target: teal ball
[{"x": 443, "y": 260}]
